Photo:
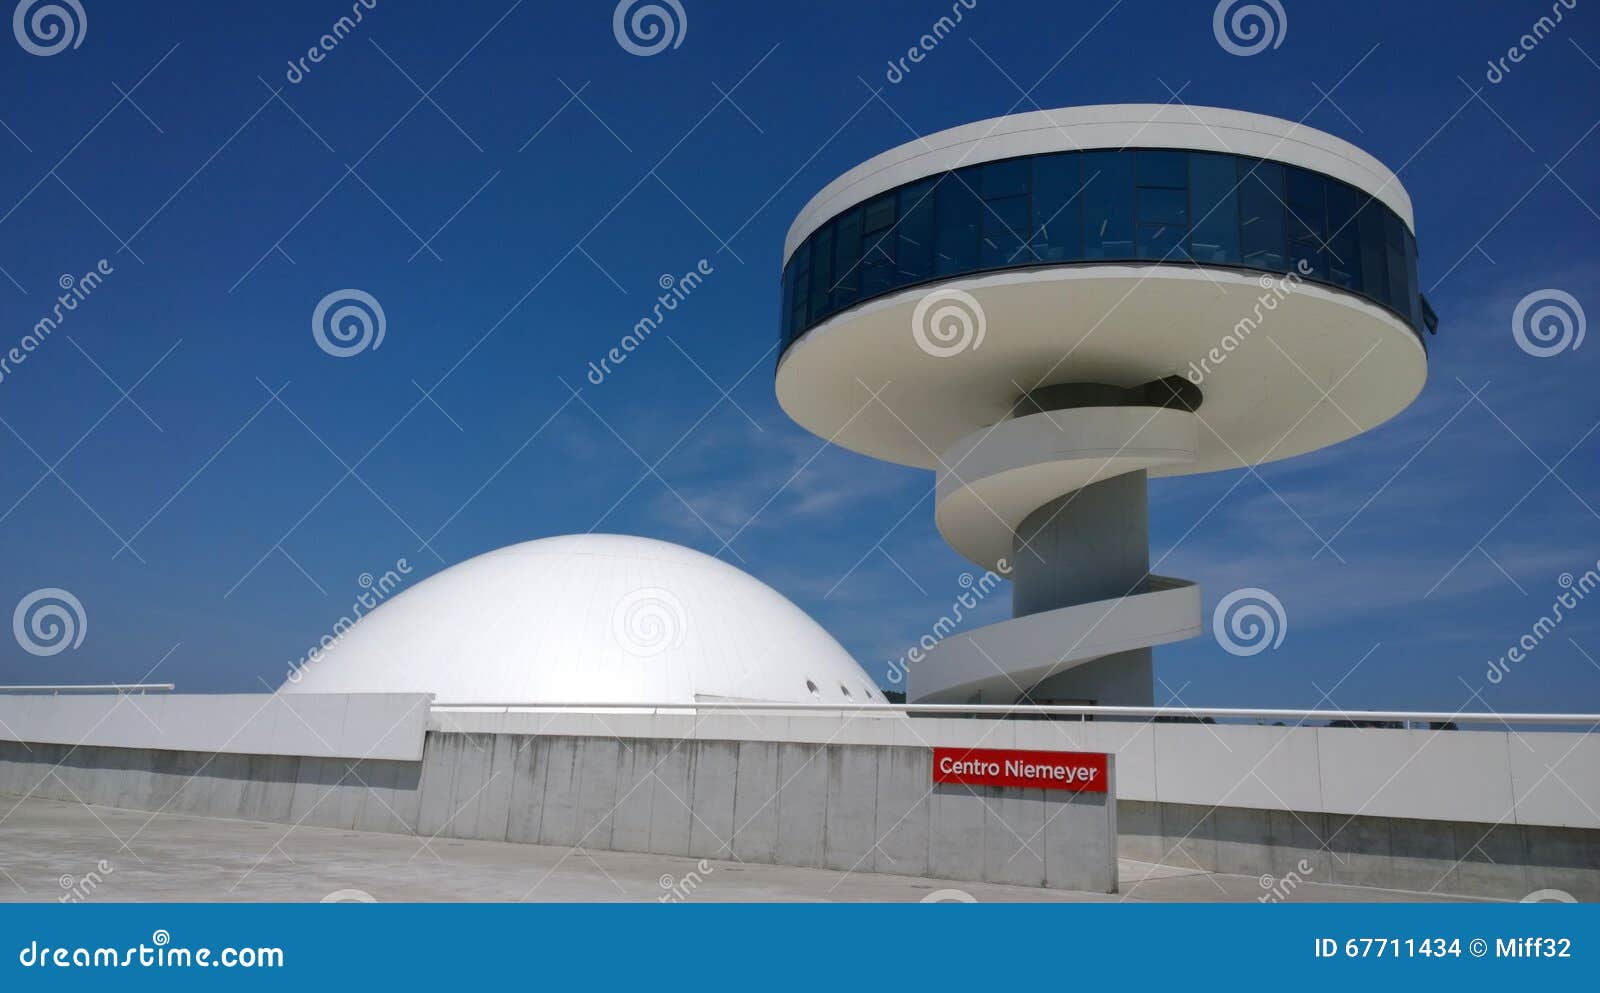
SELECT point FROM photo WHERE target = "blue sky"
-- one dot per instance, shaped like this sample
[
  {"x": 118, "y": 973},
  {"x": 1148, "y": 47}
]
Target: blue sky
[{"x": 514, "y": 222}]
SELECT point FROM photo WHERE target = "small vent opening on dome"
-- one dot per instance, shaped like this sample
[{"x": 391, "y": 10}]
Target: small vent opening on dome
[{"x": 815, "y": 693}]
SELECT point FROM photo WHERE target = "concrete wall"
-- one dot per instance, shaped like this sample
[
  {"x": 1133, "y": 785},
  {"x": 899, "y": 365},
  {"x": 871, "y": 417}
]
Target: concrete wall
[
  {"x": 330, "y": 725},
  {"x": 367, "y": 795},
  {"x": 1543, "y": 778},
  {"x": 1286, "y": 848},
  {"x": 787, "y": 803},
  {"x": 765, "y": 788}
]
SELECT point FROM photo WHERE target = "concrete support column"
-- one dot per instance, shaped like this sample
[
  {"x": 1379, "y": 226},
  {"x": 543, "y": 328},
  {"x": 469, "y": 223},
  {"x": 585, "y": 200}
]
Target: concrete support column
[
  {"x": 1092, "y": 544},
  {"x": 1126, "y": 679}
]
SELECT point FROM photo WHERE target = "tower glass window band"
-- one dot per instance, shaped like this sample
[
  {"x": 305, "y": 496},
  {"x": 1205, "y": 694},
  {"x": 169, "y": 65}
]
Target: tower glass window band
[{"x": 1136, "y": 205}]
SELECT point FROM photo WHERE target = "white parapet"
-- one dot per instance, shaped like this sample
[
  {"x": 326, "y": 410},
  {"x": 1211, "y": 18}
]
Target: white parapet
[
  {"x": 1540, "y": 777},
  {"x": 326, "y": 725}
]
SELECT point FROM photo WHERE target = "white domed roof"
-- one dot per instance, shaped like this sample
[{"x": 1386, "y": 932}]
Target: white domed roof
[{"x": 590, "y": 619}]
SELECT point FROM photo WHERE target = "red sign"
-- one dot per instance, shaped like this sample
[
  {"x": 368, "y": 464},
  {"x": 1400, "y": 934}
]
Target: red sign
[{"x": 1081, "y": 772}]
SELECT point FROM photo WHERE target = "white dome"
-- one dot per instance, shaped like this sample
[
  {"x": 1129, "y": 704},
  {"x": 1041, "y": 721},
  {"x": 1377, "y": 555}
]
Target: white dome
[{"x": 593, "y": 618}]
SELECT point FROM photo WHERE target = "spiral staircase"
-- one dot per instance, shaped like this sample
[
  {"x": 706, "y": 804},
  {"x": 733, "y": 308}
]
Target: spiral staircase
[{"x": 1054, "y": 498}]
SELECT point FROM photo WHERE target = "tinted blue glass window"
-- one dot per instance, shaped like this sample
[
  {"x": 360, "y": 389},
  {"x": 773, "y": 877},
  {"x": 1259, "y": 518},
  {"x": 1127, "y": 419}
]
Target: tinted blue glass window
[
  {"x": 913, "y": 234},
  {"x": 1005, "y": 232},
  {"x": 1105, "y": 205},
  {"x": 1374, "y": 259},
  {"x": 785, "y": 301},
  {"x": 1163, "y": 241},
  {"x": 1161, "y": 206},
  {"x": 1261, "y": 214},
  {"x": 877, "y": 245},
  {"x": 877, "y": 266},
  {"x": 1162, "y": 227},
  {"x": 1004, "y": 179},
  {"x": 1108, "y": 205},
  {"x": 878, "y": 214},
  {"x": 1344, "y": 236},
  {"x": 847, "y": 260},
  {"x": 801, "y": 290},
  {"x": 1057, "y": 208},
  {"x": 1162, "y": 203},
  {"x": 1214, "y": 201},
  {"x": 1306, "y": 196},
  {"x": 1160, "y": 168},
  {"x": 821, "y": 272},
  {"x": 1394, "y": 249},
  {"x": 1007, "y": 216},
  {"x": 959, "y": 213},
  {"x": 1414, "y": 296}
]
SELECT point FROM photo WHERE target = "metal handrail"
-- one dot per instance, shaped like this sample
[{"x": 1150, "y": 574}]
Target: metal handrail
[
  {"x": 1064, "y": 710},
  {"x": 89, "y": 688}
]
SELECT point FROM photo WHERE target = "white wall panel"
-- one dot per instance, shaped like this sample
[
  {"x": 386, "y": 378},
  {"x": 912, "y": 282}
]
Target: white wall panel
[
  {"x": 1445, "y": 776},
  {"x": 354, "y": 726}
]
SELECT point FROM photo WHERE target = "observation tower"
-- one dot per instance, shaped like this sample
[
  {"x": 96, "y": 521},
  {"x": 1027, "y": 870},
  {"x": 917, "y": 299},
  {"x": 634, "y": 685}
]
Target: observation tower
[{"x": 1048, "y": 309}]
